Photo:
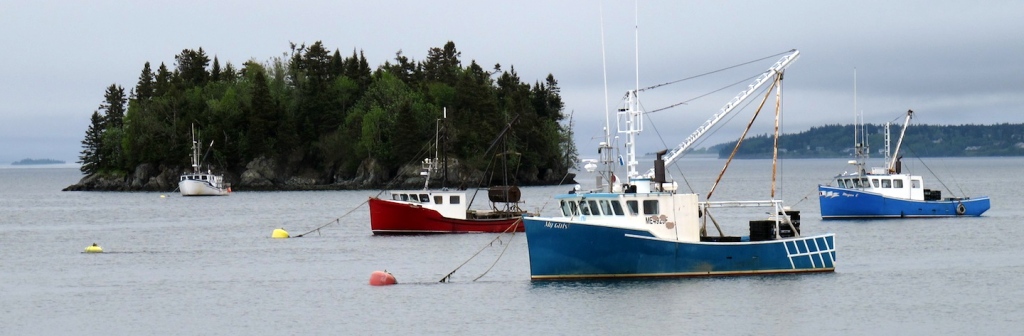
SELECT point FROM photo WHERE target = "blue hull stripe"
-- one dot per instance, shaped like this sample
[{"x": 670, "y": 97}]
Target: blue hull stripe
[{"x": 850, "y": 203}]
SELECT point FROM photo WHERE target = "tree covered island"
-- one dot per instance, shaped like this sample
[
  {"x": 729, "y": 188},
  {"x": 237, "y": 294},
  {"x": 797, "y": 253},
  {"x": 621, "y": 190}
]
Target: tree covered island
[{"x": 313, "y": 119}]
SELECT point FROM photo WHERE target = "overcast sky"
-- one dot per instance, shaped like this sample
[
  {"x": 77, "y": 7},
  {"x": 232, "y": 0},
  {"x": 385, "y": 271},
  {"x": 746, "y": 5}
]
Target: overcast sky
[{"x": 952, "y": 62}]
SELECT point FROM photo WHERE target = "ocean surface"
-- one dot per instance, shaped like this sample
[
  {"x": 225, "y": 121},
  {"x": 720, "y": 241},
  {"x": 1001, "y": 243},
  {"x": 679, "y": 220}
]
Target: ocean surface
[{"x": 207, "y": 266}]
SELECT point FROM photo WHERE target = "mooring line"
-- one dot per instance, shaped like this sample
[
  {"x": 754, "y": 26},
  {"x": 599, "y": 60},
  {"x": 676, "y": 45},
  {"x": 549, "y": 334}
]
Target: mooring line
[
  {"x": 509, "y": 243},
  {"x": 336, "y": 220},
  {"x": 515, "y": 224},
  {"x": 448, "y": 277}
]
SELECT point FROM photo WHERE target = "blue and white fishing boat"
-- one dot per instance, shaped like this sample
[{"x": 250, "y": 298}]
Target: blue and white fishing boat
[
  {"x": 887, "y": 192},
  {"x": 645, "y": 228}
]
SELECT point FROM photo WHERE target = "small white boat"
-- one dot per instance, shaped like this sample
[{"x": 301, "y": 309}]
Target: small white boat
[{"x": 198, "y": 182}]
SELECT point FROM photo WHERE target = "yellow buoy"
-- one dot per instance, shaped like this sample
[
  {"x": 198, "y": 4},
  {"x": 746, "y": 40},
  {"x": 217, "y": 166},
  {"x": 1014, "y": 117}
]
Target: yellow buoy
[
  {"x": 93, "y": 249},
  {"x": 279, "y": 233}
]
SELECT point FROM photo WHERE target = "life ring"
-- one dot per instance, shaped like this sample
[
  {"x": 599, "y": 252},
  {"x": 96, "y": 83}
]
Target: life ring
[{"x": 961, "y": 209}]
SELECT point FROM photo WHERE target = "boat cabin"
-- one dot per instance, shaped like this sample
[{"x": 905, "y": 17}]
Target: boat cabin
[
  {"x": 196, "y": 177},
  {"x": 666, "y": 215},
  {"x": 448, "y": 204},
  {"x": 892, "y": 185}
]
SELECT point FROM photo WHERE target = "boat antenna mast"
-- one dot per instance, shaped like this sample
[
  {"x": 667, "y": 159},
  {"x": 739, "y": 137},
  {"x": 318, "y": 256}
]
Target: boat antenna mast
[
  {"x": 430, "y": 164},
  {"x": 860, "y": 148},
  {"x": 195, "y": 151},
  {"x": 630, "y": 119},
  {"x": 605, "y": 147}
]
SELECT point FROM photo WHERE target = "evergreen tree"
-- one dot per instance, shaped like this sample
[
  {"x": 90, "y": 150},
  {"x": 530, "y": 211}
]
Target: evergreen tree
[
  {"x": 91, "y": 157},
  {"x": 262, "y": 121},
  {"x": 442, "y": 64},
  {"x": 114, "y": 105},
  {"x": 228, "y": 74},
  {"x": 215, "y": 71},
  {"x": 163, "y": 81},
  {"x": 192, "y": 66},
  {"x": 145, "y": 89}
]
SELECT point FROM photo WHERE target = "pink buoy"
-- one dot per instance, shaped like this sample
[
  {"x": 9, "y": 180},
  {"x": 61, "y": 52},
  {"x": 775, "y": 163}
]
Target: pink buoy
[{"x": 382, "y": 278}]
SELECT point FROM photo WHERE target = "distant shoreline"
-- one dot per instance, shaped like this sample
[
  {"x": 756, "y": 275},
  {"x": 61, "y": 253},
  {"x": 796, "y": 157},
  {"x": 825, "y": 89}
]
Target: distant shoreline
[{"x": 26, "y": 162}]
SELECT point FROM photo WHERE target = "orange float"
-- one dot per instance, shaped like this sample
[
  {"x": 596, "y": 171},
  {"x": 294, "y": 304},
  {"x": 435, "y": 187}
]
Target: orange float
[{"x": 382, "y": 278}]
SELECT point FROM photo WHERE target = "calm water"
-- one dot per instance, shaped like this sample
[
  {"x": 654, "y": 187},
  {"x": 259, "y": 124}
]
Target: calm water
[{"x": 177, "y": 265}]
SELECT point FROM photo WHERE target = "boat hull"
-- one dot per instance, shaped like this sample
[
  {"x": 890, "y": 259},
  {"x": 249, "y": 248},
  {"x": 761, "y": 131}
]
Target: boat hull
[
  {"x": 568, "y": 250},
  {"x": 852, "y": 203},
  {"x": 200, "y": 188},
  {"x": 391, "y": 218}
]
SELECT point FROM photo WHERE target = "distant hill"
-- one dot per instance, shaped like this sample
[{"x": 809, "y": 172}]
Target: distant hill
[
  {"x": 921, "y": 141},
  {"x": 37, "y": 162}
]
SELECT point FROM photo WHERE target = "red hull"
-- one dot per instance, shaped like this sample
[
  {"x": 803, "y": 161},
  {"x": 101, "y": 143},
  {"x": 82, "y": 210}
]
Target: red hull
[{"x": 399, "y": 218}]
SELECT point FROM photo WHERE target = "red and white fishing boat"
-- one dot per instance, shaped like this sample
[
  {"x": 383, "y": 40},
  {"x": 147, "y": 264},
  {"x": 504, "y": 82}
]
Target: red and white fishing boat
[
  {"x": 441, "y": 211},
  {"x": 429, "y": 211}
]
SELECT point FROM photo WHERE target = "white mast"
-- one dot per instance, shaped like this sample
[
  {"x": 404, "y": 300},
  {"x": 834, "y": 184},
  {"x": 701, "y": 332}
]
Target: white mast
[
  {"x": 605, "y": 148},
  {"x": 195, "y": 151},
  {"x": 856, "y": 139},
  {"x": 631, "y": 115}
]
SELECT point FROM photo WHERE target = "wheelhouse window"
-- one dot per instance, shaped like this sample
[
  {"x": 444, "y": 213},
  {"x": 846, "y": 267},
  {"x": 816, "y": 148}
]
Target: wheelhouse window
[
  {"x": 916, "y": 184},
  {"x": 594, "y": 209},
  {"x": 617, "y": 207},
  {"x": 886, "y": 183},
  {"x": 574, "y": 208},
  {"x": 424, "y": 198},
  {"x": 566, "y": 210},
  {"x": 874, "y": 182},
  {"x": 634, "y": 207},
  {"x": 606, "y": 208},
  {"x": 584, "y": 209},
  {"x": 438, "y": 199},
  {"x": 841, "y": 183},
  {"x": 454, "y": 199},
  {"x": 897, "y": 184},
  {"x": 651, "y": 207},
  {"x": 405, "y": 197}
]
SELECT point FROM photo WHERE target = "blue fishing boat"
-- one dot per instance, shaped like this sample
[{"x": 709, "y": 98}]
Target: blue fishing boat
[
  {"x": 887, "y": 192},
  {"x": 643, "y": 227}
]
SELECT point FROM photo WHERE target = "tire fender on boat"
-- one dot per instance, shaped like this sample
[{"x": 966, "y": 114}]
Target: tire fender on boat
[{"x": 960, "y": 209}]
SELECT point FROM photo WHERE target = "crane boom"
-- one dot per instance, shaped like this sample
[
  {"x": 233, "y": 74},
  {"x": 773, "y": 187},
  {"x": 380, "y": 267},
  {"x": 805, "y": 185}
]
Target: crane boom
[{"x": 776, "y": 68}]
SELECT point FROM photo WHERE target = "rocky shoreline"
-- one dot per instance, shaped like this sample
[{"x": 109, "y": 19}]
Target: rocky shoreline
[{"x": 266, "y": 175}]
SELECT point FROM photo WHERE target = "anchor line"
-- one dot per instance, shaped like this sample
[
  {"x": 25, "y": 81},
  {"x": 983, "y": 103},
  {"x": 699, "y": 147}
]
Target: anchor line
[
  {"x": 509, "y": 243},
  {"x": 448, "y": 277},
  {"x": 809, "y": 194},
  {"x": 515, "y": 224},
  {"x": 336, "y": 220}
]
